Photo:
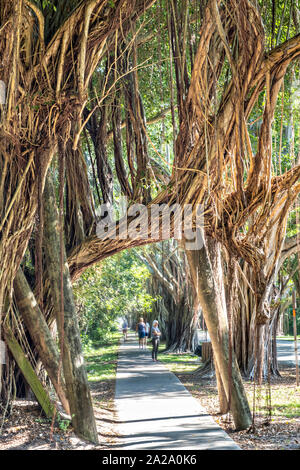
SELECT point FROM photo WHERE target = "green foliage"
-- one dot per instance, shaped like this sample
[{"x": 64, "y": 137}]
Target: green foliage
[
  {"x": 107, "y": 292},
  {"x": 63, "y": 424},
  {"x": 289, "y": 312},
  {"x": 277, "y": 18},
  {"x": 49, "y": 4},
  {"x": 55, "y": 13}
]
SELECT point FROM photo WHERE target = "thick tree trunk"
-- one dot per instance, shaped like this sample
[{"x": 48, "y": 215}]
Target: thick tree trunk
[
  {"x": 207, "y": 274},
  {"x": 78, "y": 391},
  {"x": 177, "y": 317},
  {"x": 28, "y": 372},
  {"x": 255, "y": 343},
  {"x": 224, "y": 404},
  {"x": 175, "y": 308},
  {"x": 181, "y": 327},
  {"x": 40, "y": 334}
]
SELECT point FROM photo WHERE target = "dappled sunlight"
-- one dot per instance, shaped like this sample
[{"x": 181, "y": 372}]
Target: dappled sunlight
[
  {"x": 149, "y": 224},
  {"x": 156, "y": 411}
]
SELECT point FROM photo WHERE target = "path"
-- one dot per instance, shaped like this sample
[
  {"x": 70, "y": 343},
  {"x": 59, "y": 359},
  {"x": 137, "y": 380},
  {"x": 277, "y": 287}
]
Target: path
[
  {"x": 156, "y": 411},
  {"x": 286, "y": 351},
  {"x": 285, "y": 348}
]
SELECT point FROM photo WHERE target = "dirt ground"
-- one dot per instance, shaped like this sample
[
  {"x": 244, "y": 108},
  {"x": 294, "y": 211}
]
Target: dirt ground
[
  {"x": 280, "y": 432},
  {"x": 27, "y": 429}
]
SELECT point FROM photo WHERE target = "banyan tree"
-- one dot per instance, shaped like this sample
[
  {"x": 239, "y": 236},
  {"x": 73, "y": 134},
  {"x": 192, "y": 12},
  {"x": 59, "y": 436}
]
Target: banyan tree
[
  {"x": 245, "y": 204},
  {"x": 48, "y": 59},
  {"x": 176, "y": 307},
  {"x": 49, "y": 52}
]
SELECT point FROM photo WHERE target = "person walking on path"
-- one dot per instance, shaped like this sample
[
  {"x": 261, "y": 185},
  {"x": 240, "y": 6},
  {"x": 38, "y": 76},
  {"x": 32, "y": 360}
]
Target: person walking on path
[
  {"x": 141, "y": 329},
  {"x": 155, "y": 335},
  {"x": 125, "y": 329}
]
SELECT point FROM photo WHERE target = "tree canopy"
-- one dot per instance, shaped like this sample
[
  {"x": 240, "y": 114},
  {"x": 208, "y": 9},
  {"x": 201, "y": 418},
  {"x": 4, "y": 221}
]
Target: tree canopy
[{"x": 163, "y": 102}]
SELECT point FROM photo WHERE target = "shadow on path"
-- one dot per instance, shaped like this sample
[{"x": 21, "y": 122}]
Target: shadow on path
[{"x": 155, "y": 410}]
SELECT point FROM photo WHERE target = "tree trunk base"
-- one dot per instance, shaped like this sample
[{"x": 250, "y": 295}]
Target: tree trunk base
[{"x": 206, "y": 370}]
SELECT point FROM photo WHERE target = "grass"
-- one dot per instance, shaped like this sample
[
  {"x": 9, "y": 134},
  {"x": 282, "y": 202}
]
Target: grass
[
  {"x": 101, "y": 359},
  {"x": 178, "y": 363},
  {"x": 285, "y": 399},
  {"x": 288, "y": 338}
]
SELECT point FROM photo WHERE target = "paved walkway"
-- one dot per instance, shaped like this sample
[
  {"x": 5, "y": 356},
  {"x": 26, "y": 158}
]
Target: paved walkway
[
  {"x": 285, "y": 348},
  {"x": 286, "y": 351},
  {"x": 156, "y": 411}
]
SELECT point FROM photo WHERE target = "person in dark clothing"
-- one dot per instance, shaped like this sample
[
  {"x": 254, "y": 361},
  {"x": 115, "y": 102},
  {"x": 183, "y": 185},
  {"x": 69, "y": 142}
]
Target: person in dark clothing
[
  {"x": 155, "y": 335},
  {"x": 141, "y": 329}
]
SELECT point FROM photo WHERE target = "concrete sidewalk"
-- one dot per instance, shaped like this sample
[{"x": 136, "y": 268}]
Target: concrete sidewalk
[{"x": 155, "y": 411}]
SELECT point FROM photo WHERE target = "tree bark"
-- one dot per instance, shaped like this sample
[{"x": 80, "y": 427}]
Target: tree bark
[
  {"x": 224, "y": 404},
  {"x": 28, "y": 372},
  {"x": 40, "y": 334},
  {"x": 78, "y": 391},
  {"x": 206, "y": 270},
  {"x": 175, "y": 308}
]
